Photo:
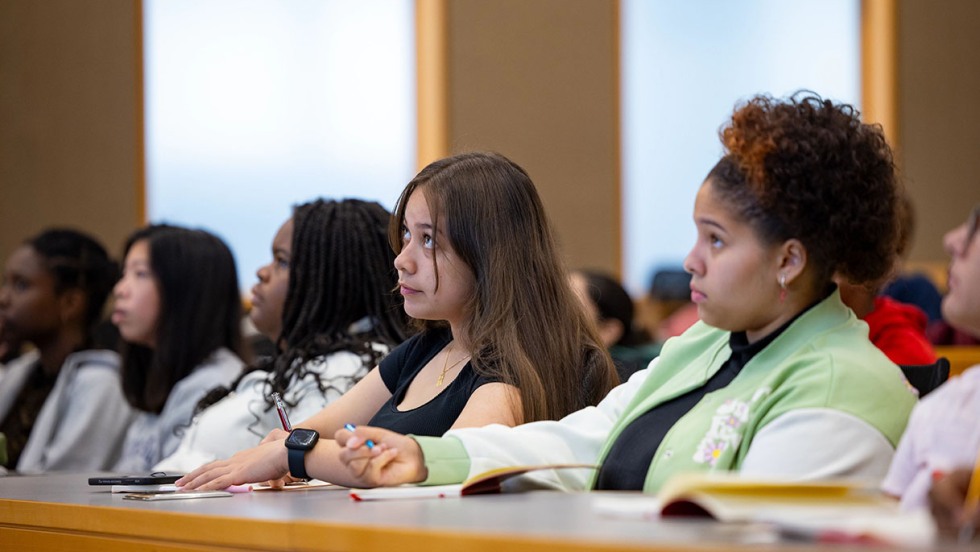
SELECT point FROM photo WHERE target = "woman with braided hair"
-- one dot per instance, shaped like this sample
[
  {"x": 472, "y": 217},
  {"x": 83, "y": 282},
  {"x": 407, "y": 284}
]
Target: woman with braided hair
[
  {"x": 504, "y": 339},
  {"x": 326, "y": 302},
  {"x": 64, "y": 409}
]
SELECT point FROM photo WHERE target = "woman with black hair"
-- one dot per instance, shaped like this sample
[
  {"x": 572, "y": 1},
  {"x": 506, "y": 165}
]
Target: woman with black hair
[
  {"x": 326, "y": 301},
  {"x": 178, "y": 310},
  {"x": 611, "y": 307},
  {"x": 64, "y": 409}
]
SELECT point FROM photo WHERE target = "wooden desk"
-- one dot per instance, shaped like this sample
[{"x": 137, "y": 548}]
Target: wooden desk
[
  {"x": 62, "y": 512},
  {"x": 960, "y": 357}
]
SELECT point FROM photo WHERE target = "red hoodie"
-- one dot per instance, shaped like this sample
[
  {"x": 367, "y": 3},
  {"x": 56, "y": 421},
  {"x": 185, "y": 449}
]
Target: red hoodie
[{"x": 899, "y": 330}]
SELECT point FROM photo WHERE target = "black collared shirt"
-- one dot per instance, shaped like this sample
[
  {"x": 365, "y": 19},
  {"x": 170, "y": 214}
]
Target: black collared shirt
[{"x": 625, "y": 467}]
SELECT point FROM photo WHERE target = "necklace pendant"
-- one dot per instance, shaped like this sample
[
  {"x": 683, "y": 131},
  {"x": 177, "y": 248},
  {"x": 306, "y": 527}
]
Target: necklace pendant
[{"x": 442, "y": 376}]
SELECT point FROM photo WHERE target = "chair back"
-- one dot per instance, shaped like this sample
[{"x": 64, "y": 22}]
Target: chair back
[{"x": 926, "y": 377}]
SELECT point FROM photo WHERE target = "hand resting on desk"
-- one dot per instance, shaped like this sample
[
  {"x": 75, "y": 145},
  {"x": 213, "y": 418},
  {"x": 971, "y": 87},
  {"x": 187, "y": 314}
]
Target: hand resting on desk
[
  {"x": 266, "y": 462},
  {"x": 393, "y": 460}
]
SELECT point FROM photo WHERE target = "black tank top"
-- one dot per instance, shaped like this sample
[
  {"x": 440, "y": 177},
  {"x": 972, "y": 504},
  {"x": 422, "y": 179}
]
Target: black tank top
[{"x": 399, "y": 369}]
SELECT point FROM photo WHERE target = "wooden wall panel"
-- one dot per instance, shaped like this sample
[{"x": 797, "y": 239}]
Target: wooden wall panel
[
  {"x": 939, "y": 115},
  {"x": 538, "y": 82},
  {"x": 70, "y": 118}
]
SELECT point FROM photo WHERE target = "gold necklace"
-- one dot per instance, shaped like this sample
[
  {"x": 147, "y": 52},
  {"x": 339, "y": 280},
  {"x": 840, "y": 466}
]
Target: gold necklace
[{"x": 446, "y": 367}]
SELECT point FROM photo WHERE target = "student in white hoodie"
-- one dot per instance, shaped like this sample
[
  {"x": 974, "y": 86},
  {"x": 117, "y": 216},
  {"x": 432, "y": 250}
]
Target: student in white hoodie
[
  {"x": 325, "y": 299},
  {"x": 479, "y": 269}
]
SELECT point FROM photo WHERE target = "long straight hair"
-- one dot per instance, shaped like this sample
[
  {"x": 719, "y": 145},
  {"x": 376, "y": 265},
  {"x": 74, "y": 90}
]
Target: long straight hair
[
  {"x": 526, "y": 326},
  {"x": 200, "y": 311}
]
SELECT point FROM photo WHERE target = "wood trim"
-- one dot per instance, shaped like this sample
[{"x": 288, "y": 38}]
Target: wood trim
[
  {"x": 879, "y": 66},
  {"x": 54, "y": 526},
  {"x": 960, "y": 357},
  {"x": 617, "y": 65},
  {"x": 79, "y": 524},
  {"x": 432, "y": 80},
  {"x": 140, "y": 176}
]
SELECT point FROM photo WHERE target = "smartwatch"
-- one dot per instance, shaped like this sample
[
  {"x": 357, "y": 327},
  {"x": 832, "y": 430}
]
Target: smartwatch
[{"x": 299, "y": 441}]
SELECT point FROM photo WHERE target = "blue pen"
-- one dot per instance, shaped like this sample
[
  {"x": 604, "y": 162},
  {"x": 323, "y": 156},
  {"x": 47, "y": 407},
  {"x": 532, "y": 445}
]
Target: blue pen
[{"x": 369, "y": 443}]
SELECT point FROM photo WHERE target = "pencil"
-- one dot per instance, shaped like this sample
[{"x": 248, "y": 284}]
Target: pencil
[{"x": 970, "y": 504}]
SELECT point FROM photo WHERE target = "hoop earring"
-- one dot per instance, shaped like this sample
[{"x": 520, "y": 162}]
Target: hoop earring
[{"x": 782, "y": 286}]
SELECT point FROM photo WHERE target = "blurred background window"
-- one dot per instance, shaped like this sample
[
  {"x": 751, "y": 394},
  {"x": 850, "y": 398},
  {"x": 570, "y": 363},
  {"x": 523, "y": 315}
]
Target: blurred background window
[
  {"x": 254, "y": 106},
  {"x": 683, "y": 65}
]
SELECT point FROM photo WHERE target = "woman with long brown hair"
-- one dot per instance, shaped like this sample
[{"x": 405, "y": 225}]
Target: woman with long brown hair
[
  {"x": 504, "y": 340},
  {"x": 778, "y": 378}
]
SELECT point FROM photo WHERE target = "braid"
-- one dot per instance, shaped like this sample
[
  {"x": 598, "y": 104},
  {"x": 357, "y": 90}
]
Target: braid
[
  {"x": 77, "y": 260},
  {"x": 341, "y": 272}
]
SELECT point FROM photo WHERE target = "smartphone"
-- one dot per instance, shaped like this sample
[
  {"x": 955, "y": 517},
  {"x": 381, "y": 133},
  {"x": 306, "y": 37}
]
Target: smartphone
[
  {"x": 179, "y": 495},
  {"x": 152, "y": 479}
]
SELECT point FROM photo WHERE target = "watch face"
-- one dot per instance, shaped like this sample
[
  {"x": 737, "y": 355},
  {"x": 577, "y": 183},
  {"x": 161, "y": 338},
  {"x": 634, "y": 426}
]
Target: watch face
[{"x": 302, "y": 439}]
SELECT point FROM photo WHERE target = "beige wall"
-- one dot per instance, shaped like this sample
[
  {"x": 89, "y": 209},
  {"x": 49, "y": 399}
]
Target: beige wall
[
  {"x": 538, "y": 82},
  {"x": 535, "y": 80},
  {"x": 939, "y": 115},
  {"x": 70, "y": 112}
]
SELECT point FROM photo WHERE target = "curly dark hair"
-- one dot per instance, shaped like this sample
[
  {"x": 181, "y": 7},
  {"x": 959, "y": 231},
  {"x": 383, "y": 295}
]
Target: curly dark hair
[
  {"x": 341, "y": 272},
  {"x": 807, "y": 168}
]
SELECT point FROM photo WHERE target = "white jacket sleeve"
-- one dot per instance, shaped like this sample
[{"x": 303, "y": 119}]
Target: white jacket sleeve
[{"x": 776, "y": 450}]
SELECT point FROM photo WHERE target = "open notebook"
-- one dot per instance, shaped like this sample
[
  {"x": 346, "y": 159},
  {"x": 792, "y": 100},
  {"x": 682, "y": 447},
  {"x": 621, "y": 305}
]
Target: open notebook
[
  {"x": 828, "y": 511},
  {"x": 482, "y": 483}
]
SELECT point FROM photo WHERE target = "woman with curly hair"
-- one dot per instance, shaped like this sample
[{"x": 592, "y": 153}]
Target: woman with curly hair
[
  {"x": 325, "y": 301},
  {"x": 778, "y": 378}
]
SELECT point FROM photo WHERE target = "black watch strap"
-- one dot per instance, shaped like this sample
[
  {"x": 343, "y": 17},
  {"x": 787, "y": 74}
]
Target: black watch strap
[{"x": 297, "y": 463}]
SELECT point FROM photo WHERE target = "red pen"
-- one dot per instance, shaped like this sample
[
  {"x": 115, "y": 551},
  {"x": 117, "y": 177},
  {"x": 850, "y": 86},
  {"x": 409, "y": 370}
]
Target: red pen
[{"x": 281, "y": 408}]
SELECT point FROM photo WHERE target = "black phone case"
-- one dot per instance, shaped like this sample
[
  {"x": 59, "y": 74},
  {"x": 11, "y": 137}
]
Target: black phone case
[{"x": 134, "y": 479}]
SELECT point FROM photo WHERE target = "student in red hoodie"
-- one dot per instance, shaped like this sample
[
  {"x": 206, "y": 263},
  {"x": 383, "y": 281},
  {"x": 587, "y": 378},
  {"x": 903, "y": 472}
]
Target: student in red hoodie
[{"x": 898, "y": 329}]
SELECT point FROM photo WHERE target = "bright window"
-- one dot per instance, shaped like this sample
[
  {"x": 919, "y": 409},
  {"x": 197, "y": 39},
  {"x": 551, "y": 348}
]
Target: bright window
[
  {"x": 254, "y": 106},
  {"x": 684, "y": 66}
]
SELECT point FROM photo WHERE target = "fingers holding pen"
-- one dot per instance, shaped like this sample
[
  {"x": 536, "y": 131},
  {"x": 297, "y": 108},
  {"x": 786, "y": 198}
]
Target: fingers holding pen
[
  {"x": 361, "y": 451},
  {"x": 376, "y": 457},
  {"x": 366, "y": 467},
  {"x": 357, "y": 451}
]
